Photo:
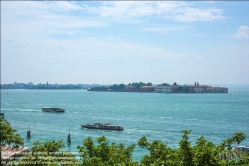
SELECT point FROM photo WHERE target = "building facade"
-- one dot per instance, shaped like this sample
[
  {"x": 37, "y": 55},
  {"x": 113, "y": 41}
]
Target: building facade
[
  {"x": 147, "y": 88},
  {"x": 199, "y": 90},
  {"x": 216, "y": 90},
  {"x": 163, "y": 89}
]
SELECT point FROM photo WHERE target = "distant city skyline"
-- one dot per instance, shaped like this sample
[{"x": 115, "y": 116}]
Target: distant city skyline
[{"x": 114, "y": 42}]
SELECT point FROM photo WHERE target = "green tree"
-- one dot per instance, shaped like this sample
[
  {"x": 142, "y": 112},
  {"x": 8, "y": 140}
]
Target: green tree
[
  {"x": 142, "y": 84},
  {"x": 149, "y": 84},
  {"x": 121, "y": 86},
  {"x": 174, "y": 84},
  {"x": 160, "y": 154},
  {"x": 137, "y": 86},
  {"x": 105, "y": 154},
  {"x": 110, "y": 87},
  {"x": 186, "y": 88},
  {"x": 8, "y": 136},
  {"x": 205, "y": 153},
  {"x": 99, "y": 88},
  {"x": 47, "y": 153},
  {"x": 115, "y": 87},
  {"x": 180, "y": 88},
  {"x": 185, "y": 149},
  {"x": 163, "y": 84},
  {"x": 225, "y": 148}
]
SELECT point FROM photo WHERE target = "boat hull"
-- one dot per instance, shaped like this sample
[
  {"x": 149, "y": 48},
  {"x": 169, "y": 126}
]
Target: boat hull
[
  {"x": 50, "y": 109},
  {"x": 101, "y": 128}
]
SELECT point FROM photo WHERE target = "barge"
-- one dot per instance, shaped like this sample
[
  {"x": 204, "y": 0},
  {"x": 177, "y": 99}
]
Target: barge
[
  {"x": 51, "y": 109},
  {"x": 102, "y": 126}
]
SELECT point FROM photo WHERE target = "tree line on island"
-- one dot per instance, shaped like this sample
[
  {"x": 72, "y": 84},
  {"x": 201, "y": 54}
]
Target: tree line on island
[
  {"x": 102, "y": 153},
  {"x": 45, "y": 86},
  {"x": 92, "y": 87},
  {"x": 136, "y": 85}
]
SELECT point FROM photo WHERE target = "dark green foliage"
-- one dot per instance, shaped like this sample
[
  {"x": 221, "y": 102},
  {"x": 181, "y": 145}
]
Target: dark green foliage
[
  {"x": 163, "y": 84},
  {"x": 185, "y": 149},
  {"x": 117, "y": 87},
  {"x": 228, "y": 156},
  {"x": 137, "y": 85},
  {"x": 227, "y": 143},
  {"x": 186, "y": 88},
  {"x": 8, "y": 135},
  {"x": 159, "y": 153},
  {"x": 149, "y": 84},
  {"x": 105, "y": 154},
  {"x": 180, "y": 88},
  {"x": 99, "y": 88},
  {"x": 203, "y": 153},
  {"x": 114, "y": 87},
  {"x": 120, "y": 87}
]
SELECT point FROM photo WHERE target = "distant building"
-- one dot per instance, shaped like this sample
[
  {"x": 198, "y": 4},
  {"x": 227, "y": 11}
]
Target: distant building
[
  {"x": 174, "y": 89},
  {"x": 216, "y": 90},
  {"x": 199, "y": 90},
  {"x": 129, "y": 89},
  {"x": 163, "y": 89},
  {"x": 147, "y": 88}
]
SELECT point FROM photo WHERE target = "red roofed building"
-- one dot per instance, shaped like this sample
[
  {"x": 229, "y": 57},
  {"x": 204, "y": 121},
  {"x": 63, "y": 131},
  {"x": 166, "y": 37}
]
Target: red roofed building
[{"x": 147, "y": 88}]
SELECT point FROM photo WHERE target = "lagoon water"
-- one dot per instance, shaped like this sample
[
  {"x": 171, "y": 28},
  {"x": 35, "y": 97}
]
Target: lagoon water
[{"x": 156, "y": 116}]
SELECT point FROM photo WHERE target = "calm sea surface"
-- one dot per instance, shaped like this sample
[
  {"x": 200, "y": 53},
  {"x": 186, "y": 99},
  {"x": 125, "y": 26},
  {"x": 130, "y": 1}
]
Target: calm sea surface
[{"x": 156, "y": 116}]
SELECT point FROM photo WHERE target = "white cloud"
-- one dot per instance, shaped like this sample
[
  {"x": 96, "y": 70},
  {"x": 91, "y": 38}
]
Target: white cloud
[
  {"x": 23, "y": 7},
  {"x": 167, "y": 29},
  {"x": 42, "y": 19},
  {"x": 243, "y": 32},
  {"x": 178, "y": 11},
  {"x": 64, "y": 5},
  {"x": 77, "y": 49},
  {"x": 32, "y": 20},
  {"x": 122, "y": 9},
  {"x": 193, "y": 14}
]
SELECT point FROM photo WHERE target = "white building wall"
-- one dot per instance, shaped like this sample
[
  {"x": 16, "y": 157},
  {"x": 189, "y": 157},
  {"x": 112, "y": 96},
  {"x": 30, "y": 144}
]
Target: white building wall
[
  {"x": 198, "y": 90},
  {"x": 162, "y": 89}
]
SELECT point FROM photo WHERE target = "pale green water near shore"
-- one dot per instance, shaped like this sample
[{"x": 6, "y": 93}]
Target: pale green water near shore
[{"x": 156, "y": 116}]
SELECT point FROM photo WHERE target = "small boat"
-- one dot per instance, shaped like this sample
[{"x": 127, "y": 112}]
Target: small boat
[
  {"x": 102, "y": 126},
  {"x": 242, "y": 148},
  {"x": 50, "y": 109}
]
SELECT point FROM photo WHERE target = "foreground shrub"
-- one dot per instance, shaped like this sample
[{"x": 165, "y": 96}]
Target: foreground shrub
[{"x": 105, "y": 154}]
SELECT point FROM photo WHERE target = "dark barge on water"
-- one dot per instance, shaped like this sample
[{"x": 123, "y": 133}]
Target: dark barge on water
[
  {"x": 102, "y": 126},
  {"x": 50, "y": 109}
]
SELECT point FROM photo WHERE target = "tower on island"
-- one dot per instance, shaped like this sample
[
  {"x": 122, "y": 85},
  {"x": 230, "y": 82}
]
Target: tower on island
[{"x": 197, "y": 83}]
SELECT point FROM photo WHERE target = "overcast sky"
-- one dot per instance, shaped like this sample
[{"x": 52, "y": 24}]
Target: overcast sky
[{"x": 121, "y": 42}]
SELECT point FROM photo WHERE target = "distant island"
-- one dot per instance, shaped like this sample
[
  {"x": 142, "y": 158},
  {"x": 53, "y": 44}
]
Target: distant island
[
  {"x": 131, "y": 87},
  {"x": 30, "y": 85},
  {"x": 160, "y": 88}
]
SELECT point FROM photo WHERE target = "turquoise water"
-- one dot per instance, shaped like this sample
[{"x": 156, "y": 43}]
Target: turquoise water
[{"x": 156, "y": 116}]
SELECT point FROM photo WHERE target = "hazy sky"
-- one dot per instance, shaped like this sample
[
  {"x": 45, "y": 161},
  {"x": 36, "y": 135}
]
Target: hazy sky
[{"x": 121, "y": 42}]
